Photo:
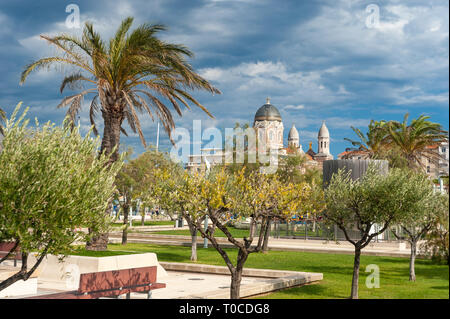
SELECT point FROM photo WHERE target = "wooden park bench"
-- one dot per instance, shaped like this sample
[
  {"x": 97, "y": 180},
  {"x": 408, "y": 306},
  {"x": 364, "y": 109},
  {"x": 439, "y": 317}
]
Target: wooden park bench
[
  {"x": 6, "y": 247},
  {"x": 111, "y": 284}
]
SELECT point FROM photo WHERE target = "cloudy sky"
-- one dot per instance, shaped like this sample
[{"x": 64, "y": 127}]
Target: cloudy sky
[{"x": 317, "y": 60}]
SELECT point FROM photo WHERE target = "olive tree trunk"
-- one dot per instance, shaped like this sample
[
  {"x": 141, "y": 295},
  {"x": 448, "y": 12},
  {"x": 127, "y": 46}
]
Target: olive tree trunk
[
  {"x": 253, "y": 226},
  {"x": 412, "y": 260},
  {"x": 236, "y": 275},
  {"x": 265, "y": 246},
  {"x": 193, "y": 231},
  {"x": 355, "y": 279},
  {"x": 24, "y": 273}
]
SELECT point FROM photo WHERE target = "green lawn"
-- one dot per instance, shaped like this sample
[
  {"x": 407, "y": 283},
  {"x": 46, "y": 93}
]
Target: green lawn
[
  {"x": 237, "y": 233},
  {"x": 240, "y": 233},
  {"x": 149, "y": 223},
  {"x": 432, "y": 280}
]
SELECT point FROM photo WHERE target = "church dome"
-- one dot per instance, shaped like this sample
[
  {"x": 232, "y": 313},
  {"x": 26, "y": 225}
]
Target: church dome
[
  {"x": 268, "y": 112},
  {"x": 323, "y": 132},
  {"x": 293, "y": 134}
]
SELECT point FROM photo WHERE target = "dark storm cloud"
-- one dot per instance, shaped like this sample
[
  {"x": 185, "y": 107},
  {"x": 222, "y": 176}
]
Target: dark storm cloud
[{"x": 317, "y": 60}]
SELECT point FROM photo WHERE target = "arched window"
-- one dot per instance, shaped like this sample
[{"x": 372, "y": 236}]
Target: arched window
[
  {"x": 261, "y": 134},
  {"x": 271, "y": 136}
]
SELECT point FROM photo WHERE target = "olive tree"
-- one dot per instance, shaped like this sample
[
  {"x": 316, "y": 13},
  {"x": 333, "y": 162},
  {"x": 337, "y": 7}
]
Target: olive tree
[
  {"x": 172, "y": 192},
  {"x": 419, "y": 220},
  {"x": 372, "y": 200},
  {"x": 436, "y": 243},
  {"x": 258, "y": 196},
  {"x": 52, "y": 184}
]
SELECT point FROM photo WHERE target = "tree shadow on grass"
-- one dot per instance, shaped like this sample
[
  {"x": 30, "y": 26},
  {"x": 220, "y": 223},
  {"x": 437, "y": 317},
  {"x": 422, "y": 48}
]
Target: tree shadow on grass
[
  {"x": 312, "y": 291},
  {"x": 440, "y": 287}
]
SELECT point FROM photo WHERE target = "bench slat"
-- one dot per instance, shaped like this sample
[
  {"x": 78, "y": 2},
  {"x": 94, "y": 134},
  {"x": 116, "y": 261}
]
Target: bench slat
[
  {"x": 74, "y": 294},
  {"x": 106, "y": 280}
]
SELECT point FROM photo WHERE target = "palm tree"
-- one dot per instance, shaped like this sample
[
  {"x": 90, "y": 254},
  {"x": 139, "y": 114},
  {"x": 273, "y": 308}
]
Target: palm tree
[
  {"x": 373, "y": 143},
  {"x": 133, "y": 72},
  {"x": 417, "y": 140}
]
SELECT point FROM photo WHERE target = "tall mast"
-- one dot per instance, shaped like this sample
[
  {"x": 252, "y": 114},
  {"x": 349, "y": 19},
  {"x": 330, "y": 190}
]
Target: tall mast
[{"x": 157, "y": 137}]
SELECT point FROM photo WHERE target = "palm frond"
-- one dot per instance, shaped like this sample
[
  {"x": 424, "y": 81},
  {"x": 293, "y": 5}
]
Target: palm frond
[
  {"x": 135, "y": 118},
  {"x": 69, "y": 99},
  {"x": 73, "y": 80},
  {"x": 45, "y": 63},
  {"x": 133, "y": 72},
  {"x": 70, "y": 53}
]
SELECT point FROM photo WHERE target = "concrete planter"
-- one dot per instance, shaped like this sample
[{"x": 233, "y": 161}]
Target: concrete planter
[{"x": 65, "y": 275}]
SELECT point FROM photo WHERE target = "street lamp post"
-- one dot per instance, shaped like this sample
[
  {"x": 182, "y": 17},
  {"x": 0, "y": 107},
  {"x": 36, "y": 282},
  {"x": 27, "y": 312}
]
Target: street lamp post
[{"x": 205, "y": 240}]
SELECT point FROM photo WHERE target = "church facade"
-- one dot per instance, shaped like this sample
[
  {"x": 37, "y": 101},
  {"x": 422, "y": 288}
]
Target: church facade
[{"x": 269, "y": 125}]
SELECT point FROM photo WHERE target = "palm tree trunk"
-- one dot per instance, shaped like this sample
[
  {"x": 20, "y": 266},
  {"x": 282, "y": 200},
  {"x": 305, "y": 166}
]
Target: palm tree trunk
[
  {"x": 125, "y": 223},
  {"x": 112, "y": 119},
  {"x": 111, "y": 134}
]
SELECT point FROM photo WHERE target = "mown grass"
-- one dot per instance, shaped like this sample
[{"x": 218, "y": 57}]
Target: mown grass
[
  {"x": 237, "y": 233},
  {"x": 432, "y": 279},
  {"x": 147, "y": 223},
  {"x": 240, "y": 233}
]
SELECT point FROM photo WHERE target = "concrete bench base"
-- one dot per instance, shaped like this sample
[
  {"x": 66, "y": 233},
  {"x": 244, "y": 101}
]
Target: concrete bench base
[{"x": 65, "y": 275}]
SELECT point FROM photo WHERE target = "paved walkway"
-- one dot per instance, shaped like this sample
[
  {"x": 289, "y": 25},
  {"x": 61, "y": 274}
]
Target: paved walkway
[{"x": 198, "y": 281}]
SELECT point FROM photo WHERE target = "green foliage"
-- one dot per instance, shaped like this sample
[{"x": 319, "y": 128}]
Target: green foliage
[
  {"x": 374, "y": 141},
  {"x": 374, "y": 198},
  {"x": 402, "y": 144},
  {"x": 422, "y": 212},
  {"x": 138, "y": 177},
  {"x": 414, "y": 140},
  {"x": 52, "y": 183},
  {"x": 262, "y": 195},
  {"x": 437, "y": 243},
  {"x": 290, "y": 168},
  {"x": 394, "y": 157}
]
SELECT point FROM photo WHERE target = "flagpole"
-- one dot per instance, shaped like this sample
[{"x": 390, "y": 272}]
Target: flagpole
[{"x": 157, "y": 137}]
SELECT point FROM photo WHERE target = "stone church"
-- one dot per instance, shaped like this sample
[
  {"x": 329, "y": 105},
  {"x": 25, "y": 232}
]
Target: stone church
[{"x": 269, "y": 125}]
